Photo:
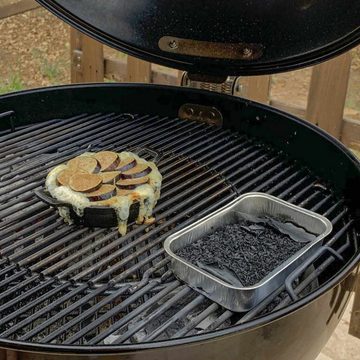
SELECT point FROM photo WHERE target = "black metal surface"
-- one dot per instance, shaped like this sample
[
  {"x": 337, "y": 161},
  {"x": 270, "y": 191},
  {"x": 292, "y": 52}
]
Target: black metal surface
[
  {"x": 68, "y": 285},
  {"x": 286, "y": 34},
  {"x": 115, "y": 265}
]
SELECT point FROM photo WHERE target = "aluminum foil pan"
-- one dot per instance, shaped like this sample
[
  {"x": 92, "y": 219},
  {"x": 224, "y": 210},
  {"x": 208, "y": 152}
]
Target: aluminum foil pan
[{"x": 240, "y": 299}]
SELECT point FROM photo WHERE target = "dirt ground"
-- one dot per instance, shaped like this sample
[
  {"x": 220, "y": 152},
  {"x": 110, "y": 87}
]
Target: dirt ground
[{"x": 34, "y": 52}]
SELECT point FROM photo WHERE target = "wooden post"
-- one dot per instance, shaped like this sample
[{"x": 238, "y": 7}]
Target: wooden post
[
  {"x": 87, "y": 58},
  {"x": 327, "y": 95},
  {"x": 255, "y": 88},
  {"x": 138, "y": 70},
  {"x": 355, "y": 315}
]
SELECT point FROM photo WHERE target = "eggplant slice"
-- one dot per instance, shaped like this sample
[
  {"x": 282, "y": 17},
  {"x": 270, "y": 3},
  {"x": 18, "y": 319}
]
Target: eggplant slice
[
  {"x": 84, "y": 163},
  {"x": 108, "y": 160},
  {"x": 139, "y": 171},
  {"x": 126, "y": 164},
  {"x": 85, "y": 182},
  {"x": 105, "y": 192},
  {"x": 110, "y": 177},
  {"x": 131, "y": 184},
  {"x": 64, "y": 177}
]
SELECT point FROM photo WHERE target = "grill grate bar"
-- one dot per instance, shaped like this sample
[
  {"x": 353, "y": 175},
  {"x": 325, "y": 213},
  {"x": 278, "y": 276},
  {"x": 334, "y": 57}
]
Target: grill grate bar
[
  {"x": 108, "y": 133},
  {"x": 38, "y": 244},
  {"x": 46, "y": 309},
  {"x": 59, "y": 254},
  {"x": 116, "y": 309},
  {"x": 66, "y": 311},
  {"x": 36, "y": 129},
  {"x": 25, "y": 295},
  {"x": 91, "y": 312},
  {"x": 196, "y": 321},
  {"x": 160, "y": 310},
  {"x": 52, "y": 145},
  {"x": 29, "y": 229},
  {"x": 183, "y": 312},
  {"x": 68, "y": 126},
  {"x": 20, "y": 224},
  {"x": 221, "y": 164}
]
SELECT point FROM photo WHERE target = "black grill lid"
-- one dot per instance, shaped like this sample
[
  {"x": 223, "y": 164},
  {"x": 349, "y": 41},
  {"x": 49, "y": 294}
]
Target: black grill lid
[{"x": 222, "y": 37}]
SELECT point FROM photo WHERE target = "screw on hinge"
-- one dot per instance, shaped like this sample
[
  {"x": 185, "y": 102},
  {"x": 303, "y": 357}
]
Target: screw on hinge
[{"x": 173, "y": 44}]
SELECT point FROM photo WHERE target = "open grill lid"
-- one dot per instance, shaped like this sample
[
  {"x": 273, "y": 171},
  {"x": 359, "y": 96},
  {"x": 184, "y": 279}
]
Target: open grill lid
[{"x": 219, "y": 37}]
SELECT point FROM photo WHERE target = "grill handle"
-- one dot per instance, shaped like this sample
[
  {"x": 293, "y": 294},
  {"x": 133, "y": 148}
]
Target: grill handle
[
  {"x": 143, "y": 151},
  {"x": 47, "y": 199}
]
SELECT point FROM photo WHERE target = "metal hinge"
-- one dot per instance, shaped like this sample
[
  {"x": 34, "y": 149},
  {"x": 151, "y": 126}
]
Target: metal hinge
[
  {"x": 225, "y": 85},
  {"x": 201, "y": 113}
]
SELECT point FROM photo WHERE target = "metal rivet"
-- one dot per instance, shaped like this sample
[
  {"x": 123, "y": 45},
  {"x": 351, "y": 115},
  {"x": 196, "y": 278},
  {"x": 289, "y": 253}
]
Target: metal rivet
[
  {"x": 247, "y": 52},
  {"x": 173, "y": 44},
  {"x": 190, "y": 111},
  {"x": 212, "y": 115}
]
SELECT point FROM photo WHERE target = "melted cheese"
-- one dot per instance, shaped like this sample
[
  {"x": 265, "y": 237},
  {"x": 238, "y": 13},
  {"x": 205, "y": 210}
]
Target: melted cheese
[{"x": 146, "y": 195}]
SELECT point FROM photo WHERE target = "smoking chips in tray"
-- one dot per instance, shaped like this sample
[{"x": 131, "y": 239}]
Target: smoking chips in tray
[{"x": 107, "y": 179}]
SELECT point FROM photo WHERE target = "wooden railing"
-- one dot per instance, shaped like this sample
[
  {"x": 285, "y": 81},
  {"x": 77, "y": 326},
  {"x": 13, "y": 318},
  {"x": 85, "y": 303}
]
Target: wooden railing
[{"x": 325, "y": 106}]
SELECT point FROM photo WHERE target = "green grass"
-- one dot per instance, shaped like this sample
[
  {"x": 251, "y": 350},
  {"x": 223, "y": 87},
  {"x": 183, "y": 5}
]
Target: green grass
[
  {"x": 51, "y": 70},
  {"x": 13, "y": 83}
]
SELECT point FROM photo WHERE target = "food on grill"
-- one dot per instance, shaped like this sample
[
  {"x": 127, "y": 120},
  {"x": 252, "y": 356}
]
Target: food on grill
[
  {"x": 64, "y": 177},
  {"x": 138, "y": 171},
  {"x": 84, "y": 182},
  {"x": 126, "y": 164},
  {"x": 103, "y": 193},
  {"x": 130, "y": 184},
  {"x": 110, "y": 177},
  {"x": 108, "y": 160},
  {"x": 244, "y": 253},
  {"x": 90, "y": 180},
  {"x": 121, "y": 192},
  {"x": 85, "y": 163}
]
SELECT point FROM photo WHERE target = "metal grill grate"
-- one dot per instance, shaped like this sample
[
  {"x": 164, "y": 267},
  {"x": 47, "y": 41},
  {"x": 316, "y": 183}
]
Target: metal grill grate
[{"x": 72, "y": 285}]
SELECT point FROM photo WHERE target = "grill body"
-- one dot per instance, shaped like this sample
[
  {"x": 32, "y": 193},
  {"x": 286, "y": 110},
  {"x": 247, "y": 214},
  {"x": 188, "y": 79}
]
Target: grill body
[{"x": 296, "y": 331}]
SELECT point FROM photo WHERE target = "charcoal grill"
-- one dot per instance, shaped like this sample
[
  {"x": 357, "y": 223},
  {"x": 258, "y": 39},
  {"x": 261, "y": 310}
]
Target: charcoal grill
[{"x": 70, "y": 291}]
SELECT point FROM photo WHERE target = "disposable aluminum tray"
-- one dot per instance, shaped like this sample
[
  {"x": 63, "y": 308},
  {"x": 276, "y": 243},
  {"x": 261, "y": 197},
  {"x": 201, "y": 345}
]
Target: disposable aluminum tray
[{"x": 240, "y": 299}]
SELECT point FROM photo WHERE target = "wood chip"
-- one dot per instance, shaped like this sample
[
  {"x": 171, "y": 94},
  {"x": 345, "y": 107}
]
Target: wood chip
[
  {"x": 85, "y": 182},
  {"x": 108, "y": 160},
  {"x": 84, "y": 163}
]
